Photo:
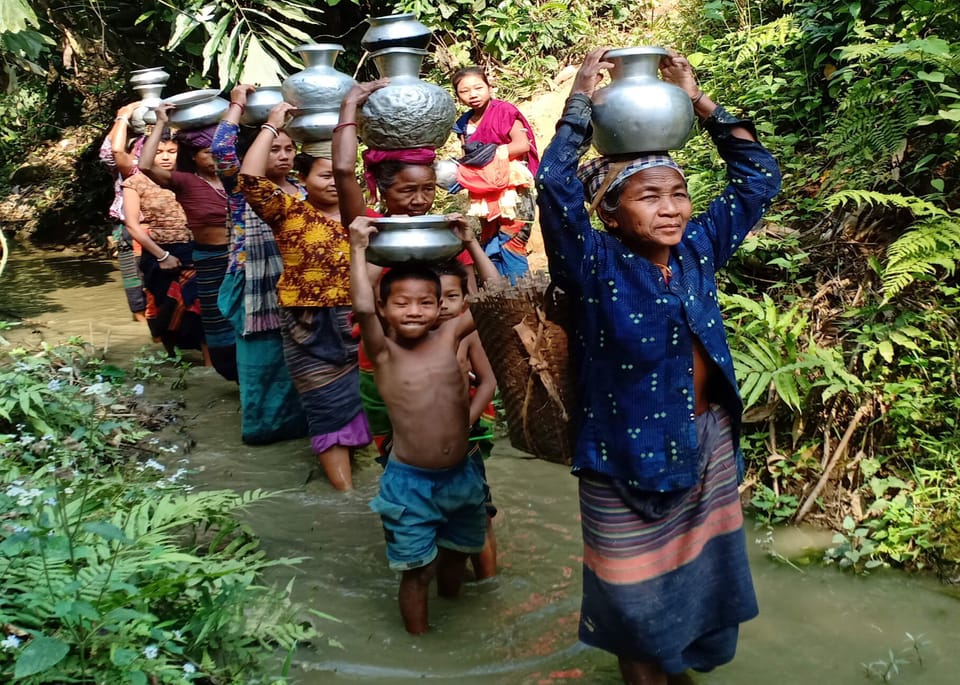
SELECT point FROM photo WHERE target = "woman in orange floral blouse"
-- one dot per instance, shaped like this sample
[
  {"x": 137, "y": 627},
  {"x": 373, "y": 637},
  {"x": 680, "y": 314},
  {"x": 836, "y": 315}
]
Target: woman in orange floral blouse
[{"x": 314, "y": 295}]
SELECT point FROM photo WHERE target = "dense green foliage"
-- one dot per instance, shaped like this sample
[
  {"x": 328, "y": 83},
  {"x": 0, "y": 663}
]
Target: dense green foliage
[
  {"x": 111, "y": 569},
  {"x": 842, "y": 307}
]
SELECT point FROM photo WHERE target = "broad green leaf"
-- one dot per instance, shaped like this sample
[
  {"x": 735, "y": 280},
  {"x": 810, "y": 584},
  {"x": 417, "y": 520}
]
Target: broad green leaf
[
  {"x": 259, "y": 67},
  {"x": 16, "y": 16},
  {"x": 885, "y": 348},
  {"x": 40, "y": 654}
]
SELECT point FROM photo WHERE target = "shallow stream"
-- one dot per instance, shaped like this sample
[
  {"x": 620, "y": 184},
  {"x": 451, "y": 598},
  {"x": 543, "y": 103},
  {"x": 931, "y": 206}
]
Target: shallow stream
[{"x": 817, "y": 625}]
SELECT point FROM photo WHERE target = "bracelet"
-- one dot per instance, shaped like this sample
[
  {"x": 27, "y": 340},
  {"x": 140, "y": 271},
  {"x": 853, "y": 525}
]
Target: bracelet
[
  {"x": 344, "y": 125},
  {"x": 164, "y": 257},
  {"x": 695, "y": 100},
  {"x": 242, "y": 107},
  {"x": 272, "y": 129}
]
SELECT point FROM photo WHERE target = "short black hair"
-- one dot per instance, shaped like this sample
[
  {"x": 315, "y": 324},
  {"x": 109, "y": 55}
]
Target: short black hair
[
  {"x": 453, "y": 268},
  {"x": 416, "y": 271},
  {"x": 303, "y": 163}
]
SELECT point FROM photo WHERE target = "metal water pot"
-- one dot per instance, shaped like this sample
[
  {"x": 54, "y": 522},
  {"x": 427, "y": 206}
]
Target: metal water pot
[
  {"x": 259, "y": 104},
  {"x": 196, "y": 109},
  {"x": 400, "y": 239},
  {"x": 316, "y": 92},
  {"x": 395, "y": 31},
  {"x": 638, "y": 112},
  {"x": 407, "y": 112},
  {"x": 149, "y": 84}
]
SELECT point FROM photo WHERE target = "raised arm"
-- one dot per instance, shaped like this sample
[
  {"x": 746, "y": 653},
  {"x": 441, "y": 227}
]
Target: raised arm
[
  {"x": 485, "y": 268},
  {"x": 361, "y": 289},
  {"x": 148, "y": 154},
  {"x": 255, "y": 161},
  {"x": 224, "y": 146},
  {"x": 352, "y": 202},
  {"x": 563, "y": 218},
  {"x": 124, "y": 161},
  {"x": 131, "y": 206}
]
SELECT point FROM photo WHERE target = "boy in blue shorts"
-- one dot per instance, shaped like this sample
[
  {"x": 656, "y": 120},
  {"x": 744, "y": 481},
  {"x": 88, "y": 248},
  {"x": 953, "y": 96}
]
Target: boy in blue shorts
[{"x": 431, "y": 498}]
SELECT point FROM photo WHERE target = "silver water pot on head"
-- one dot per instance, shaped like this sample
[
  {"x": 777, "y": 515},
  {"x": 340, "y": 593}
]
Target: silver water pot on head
[{"x": 638, "y": 112}]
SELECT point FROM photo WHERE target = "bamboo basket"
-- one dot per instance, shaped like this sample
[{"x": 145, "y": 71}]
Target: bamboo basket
[{"x": 523, "y": 328}]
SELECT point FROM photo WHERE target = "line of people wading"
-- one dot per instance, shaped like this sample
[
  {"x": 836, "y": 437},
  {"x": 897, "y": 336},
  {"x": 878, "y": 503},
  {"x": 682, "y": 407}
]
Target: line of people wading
[{"x": 260, "y": 251}]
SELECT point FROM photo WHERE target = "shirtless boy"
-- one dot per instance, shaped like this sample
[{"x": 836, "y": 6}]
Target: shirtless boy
[{"x": 431, "y": 498}]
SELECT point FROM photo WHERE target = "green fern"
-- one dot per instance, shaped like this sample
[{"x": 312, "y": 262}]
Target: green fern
[
  {"x": 915, "y": 205},
  {"x": 927, "y": 246}
]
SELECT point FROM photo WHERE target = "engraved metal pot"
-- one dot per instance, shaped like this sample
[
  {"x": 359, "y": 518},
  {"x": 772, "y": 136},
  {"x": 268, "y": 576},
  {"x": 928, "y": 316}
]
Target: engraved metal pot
[
  {"x": 407, "y": 112},
  {"x": 638, "y": 112},
  {"x": 259, "y": 104},
  {"x": 395, "y": 31},
  {"x": 400, "y": 239}
]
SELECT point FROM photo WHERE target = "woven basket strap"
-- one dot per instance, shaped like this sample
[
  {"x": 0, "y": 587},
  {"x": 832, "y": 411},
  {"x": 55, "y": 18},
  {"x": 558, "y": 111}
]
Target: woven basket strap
[{"x": 612, "y": 173}]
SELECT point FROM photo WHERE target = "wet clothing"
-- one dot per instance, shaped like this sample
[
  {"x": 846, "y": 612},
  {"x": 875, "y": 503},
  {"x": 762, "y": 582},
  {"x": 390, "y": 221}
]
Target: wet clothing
[
  {"x": 665, "y": 575},
  {"x": 424, "y": 509},
  {"x": 321, "y": 356},
  {"x": 210, "y": 262},
  {"x": 172, "y": 299},
  {"x": 633, "y": 348}
]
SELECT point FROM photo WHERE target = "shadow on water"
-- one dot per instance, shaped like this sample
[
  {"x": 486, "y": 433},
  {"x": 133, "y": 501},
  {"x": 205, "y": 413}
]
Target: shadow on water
[
  {"x": 816, "y": 625},
  {"x": 31, "y": 276}
]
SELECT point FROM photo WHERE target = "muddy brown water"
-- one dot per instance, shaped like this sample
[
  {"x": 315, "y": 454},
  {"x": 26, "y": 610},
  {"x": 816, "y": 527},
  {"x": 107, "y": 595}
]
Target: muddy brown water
[{"x": 816, "y": 626}]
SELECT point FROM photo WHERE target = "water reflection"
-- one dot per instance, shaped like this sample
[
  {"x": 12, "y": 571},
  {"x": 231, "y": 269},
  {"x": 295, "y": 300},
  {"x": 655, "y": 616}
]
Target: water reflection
[{"x": 31, "y": 276}]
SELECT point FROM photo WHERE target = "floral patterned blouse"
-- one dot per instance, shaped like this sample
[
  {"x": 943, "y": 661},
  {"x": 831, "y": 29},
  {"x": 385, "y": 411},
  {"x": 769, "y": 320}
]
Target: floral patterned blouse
[
  {"x": 315, "y": 249},
  {"x": 160, "y": 213}
]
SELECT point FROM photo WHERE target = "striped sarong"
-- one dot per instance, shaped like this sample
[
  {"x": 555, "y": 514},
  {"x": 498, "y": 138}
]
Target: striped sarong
[
  {"x": 269, "y": 404},
  {"x": 132, "y": 278},
  {"x": 211, "y": 264},
  {"x": 665, "y": 576},
  {"x": 321, "y": 356}
]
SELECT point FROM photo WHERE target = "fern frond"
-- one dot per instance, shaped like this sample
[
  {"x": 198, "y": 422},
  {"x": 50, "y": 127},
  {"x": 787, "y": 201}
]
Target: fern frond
[
  {"x": 927, "y": 246},
  {"x": 915, "y": 205}
]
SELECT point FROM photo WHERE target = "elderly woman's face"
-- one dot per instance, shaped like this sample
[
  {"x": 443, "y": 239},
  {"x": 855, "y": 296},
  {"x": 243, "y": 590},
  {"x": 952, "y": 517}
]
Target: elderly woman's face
[
  {"x": 654, "y": 209},
  {"x": 412, "y": 192}
]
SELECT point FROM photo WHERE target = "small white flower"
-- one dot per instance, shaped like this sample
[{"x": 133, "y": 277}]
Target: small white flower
[
  {"x": 189, "y": 669},
  {"x": 54, "y": 385},
  {"x": 155, "y": 465},
  {"x": 50, "y": 502},
  {"x": 138, "y": 389},
  {"x": 151, "y": 651},
  {"x": 10, "y": 642}
]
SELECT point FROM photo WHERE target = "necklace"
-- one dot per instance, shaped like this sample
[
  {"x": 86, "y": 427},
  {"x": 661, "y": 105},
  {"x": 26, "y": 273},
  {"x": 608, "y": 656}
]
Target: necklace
[
  {"x": 220, "y": 190},
  {"x": 665, "y": 270}
]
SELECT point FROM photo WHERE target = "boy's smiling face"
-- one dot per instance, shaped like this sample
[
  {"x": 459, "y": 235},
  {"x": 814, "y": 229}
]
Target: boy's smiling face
[{"x": 412, "y": 308}]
